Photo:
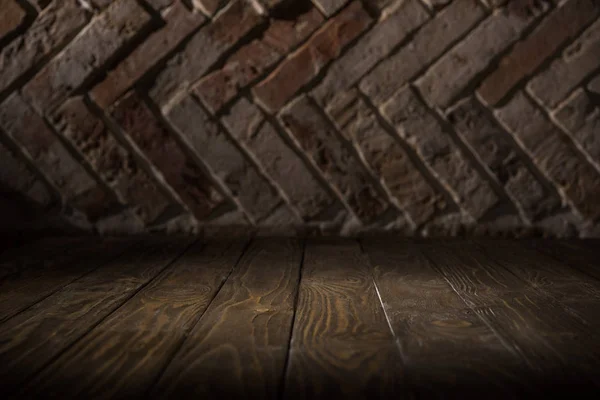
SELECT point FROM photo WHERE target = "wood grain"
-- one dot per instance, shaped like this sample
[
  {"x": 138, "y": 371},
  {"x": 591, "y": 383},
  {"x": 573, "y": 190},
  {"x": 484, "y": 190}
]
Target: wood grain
[
  {"x": 438, "y": 332},
  {"x": 342, "y": 346},
  {"x": 583, "y": 255},
  {"x": 29, "y": 285},
  {"x": 238, "y": 349},
  {"x": 579, "y": 294},
  {"x": 33, "y": 338},
  {"x": 534, "y": 325},
  {"x": 122, "y": 356}
]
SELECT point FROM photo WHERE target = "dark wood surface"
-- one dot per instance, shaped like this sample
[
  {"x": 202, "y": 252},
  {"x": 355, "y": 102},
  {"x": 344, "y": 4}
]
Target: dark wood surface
[{"x": 266, "y": 318}]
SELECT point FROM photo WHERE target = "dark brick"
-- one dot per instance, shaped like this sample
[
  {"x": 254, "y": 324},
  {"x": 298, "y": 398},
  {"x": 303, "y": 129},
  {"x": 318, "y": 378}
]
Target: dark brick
[
  {"x": 111, "y": 160},
  {"x": 180, "y": 23},
  {"x": 48, "y": 33},
  {"x": 495, "y": 148},
  {"x": 371, "y": 48},
  {"x": 559, "y": 27},
  {"x": 336, "y": 162},
  {"x": 553, "y": 153},
  {"x": 203, "y": 50},
  {"x": 305, "y": 64},
  {"x": 423, "y": 132},
  {"x": 578, "y": 61},
  {"x": 16, "y": 176},
  {"x": 251, "y": 61},
  {"x": 455, "y": 71},
  {"x": 281, "y": 163},
  {"x": 385, "y": 157},
  {"x": 581, "y": 118},
  {"x": 195, "y": 188},
  {"x": 255, "y": 194},
  {"x": 30, "y": 131},
  {"x": 89, "y": 51},
  {"x": 11, "y": 17},
  {"x": 431, "y": 41}
]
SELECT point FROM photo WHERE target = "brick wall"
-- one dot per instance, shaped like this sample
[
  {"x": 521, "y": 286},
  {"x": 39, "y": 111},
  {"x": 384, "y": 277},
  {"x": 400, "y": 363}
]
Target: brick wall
[{"x": 420, "y": 117}]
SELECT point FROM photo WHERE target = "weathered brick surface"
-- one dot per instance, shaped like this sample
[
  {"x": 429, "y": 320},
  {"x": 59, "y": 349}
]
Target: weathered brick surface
[
  {"x": 246, "y": 123},
  {"x": 385, "y": 157},
  {"x": 89, "y": 51},
  {"x": 11, "y": 17},
  {"x": 371, "y": 48},
  {"x": 110, "y": 159},
  {"x": 496, "y": 149},
  {"x": 561, "y": 25},
  {"x": 251, "y": 61},
  {"x": 420, "y": 129},
  {"x": 578, "y": 61},
  {"x": 294, "y": 117},
  {"x": 51, "y": 31},
  {"x": 306, "y": 63},
  {"x": 580, "y": 116},
  {"x": 180, "y": 23},
  {"x": 452, "y": 73},
  {"x": 429, "y": 43},
  {"x": 553, "y": 153},
  {"x": 203, "y": 50},
  {"x": 30, "y": 131},
  {"x": 337, "y": 163},
  {"x": 329, "y": 7},
  {"x": 15, "y": 176},
  {"x": 195, "y": 188},
  {"x": 255, "y": 194}
]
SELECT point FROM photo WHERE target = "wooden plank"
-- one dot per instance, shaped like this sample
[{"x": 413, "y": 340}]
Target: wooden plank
[
  {"x": 552, "y": 341},
  {"x": 583, "y": 255},
  {"x": 123, "y": 355},
  {"x": 30, "y": 285},
  {"x": 35, "y": 337},
  {"x": 448, "y": 351},
  {"x": 577, "y": 291},
  {"x": 342, "y": 346},
  {"x": 238, "y": 350}
]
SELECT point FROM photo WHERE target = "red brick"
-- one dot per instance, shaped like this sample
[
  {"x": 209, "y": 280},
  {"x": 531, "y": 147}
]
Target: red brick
[
  {"x": 195, "y": 188},
  {"x": 385, "y": 157},
  {"x": 337, "y": 163},
  {"x": 560, "y": 26},
  {"x": 180, "y": 23},
  {"x": 455, "y": 71},
  {"x": 115, "y": 27},
  {"x": 580, "y": 116},
  {"x": 50, "y": 156},
  {"x": 376, "y": 44},
  {"x": 203, "y": 50},
  {"x": 578, "y": 61},
  {"x": 11, "y": 17},
  {"x": 419, "y": 128},
  {"x": 306, "y": 63},
  {"x": 247, "y": 124},
  {"x": 253, "y": 60},
  {"x": 111, "y": 160},
  {"x": 429, "y": 42},
  {"x": 49, "y": 32},
  {"x": 496, "y": 149},
  {"x": 554, "y": 155},
  {"x": 16, "y": 176},
  {"x": 329, "y": 7},
  {"x": 213, "y": 146}
]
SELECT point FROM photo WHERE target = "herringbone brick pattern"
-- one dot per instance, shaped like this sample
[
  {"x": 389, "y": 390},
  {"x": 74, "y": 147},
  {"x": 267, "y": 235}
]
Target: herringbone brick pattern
[{"x": 291, "y": 116}]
